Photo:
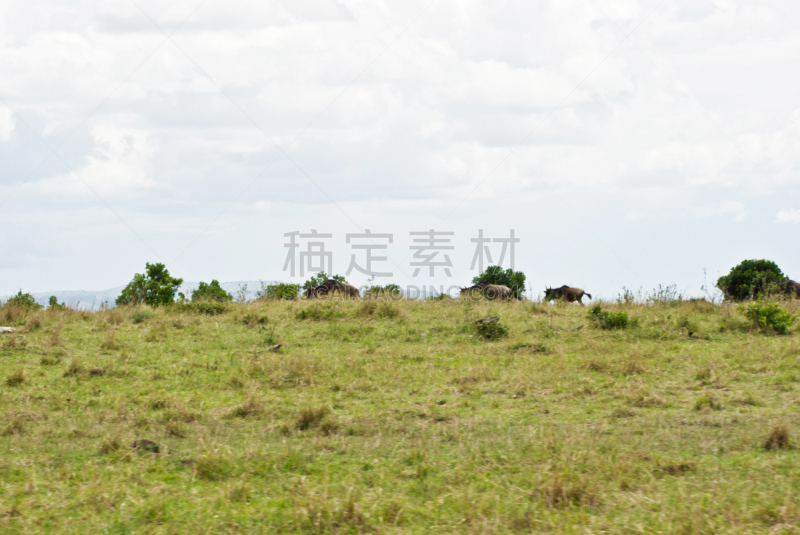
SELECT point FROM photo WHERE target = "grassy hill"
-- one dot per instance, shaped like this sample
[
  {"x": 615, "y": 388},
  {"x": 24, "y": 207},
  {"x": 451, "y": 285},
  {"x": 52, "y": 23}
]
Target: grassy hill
[{"x": 398, "y": 418}]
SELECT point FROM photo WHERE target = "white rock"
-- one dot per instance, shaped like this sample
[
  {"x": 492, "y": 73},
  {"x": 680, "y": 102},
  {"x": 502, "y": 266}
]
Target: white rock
[{"x": 7, "y": 329}]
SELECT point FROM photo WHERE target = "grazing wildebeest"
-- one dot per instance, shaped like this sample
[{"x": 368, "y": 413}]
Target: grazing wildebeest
[
  {"x": 793, "y": 288},
  {"x": 566, "y": 293},
  {"x": 488, "y": 291},
  {"x": 329, "y": 287}
]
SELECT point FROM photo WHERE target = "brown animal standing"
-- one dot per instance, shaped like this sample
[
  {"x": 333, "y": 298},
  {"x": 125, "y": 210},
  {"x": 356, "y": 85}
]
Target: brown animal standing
[
  {"x": 566, "y": 293},
  {"x": 488, "y": 291},
  {"x": 329, "y": 287}
]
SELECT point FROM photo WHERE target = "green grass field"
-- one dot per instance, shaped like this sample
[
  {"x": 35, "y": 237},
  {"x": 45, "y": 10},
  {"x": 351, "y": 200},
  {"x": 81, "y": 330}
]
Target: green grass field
[{"x": 398, "y": 418}]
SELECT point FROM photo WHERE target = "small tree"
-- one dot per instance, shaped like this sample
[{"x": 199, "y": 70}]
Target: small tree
[
  {"x": 211, "y": 292},
  {"x": 53, "y": 304},
  {"x": 320, "y": 278},
  {"x": 751, "y": 279},
  {"x": 388, "y": 291},
  {"x": 280, "y": 290},
  {"x": 496, "y": 275},
  {"x": 155, "y": 287},
  {"x": 24, "y": 300}
]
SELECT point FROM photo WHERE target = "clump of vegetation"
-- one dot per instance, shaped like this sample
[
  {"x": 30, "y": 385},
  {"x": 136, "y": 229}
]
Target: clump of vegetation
[
  {"x": 383, "y": 310},
  {"x": 707, "y": 402},
  {"x": 316, "y": 418},
  {"x": 23, "y": 300},
  {"x": 249, "y": 409},
  {"x": 561, "y": 492},
  {"x": 141, "y": 315},
  {"x": 53, "y": 304},
  {"x": 497, "y": 275},
  {"x": 389, "y": 292},
  {"x": 778, "y": 438},
  {"x": 610, "y": 320},
  {"x": 155, "y": 287},
  {"x": 752, "y": 279},
  {"x": 491, "y": 330},
  {"x": 319, "y": 312},
  {"x": 665, "y": 295},
  {"x": 16, "y": 378},
  {"x": 769, "y": 317},
  {"x": 213, "y": 468},
  {"x": 210, "y": 292},
  {"x": 279, "y": 291}
]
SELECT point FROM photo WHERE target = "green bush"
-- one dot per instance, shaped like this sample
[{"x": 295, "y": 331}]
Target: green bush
[
  {"x": 491, "y": 331},
  {"x": 769, "y": 317},
  {"x": 279, "y": 291},
  {"x": 496, "y": 275},
  {"x": 752, "y": 279},
  {"x": 156, "y": 287},
  {"x": 53, "y": 304},
  {"x": 211, "y": 292},
  {"x": 610, "y": 320},
  {"x": 24, "y": 300},
  {"x": 390, "y": 291}
]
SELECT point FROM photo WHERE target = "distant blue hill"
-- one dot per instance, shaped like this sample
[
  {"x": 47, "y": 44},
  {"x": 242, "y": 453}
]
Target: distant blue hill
[{"x": 88, "y": 299}]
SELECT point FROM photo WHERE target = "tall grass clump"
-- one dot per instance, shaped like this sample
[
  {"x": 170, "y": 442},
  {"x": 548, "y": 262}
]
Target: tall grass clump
[
  {"x": 769, "y": 317},
  {"x": 610, "y": 320},
  {"x": 493, "y": 330},
  {"x": 319, "y": 312}
]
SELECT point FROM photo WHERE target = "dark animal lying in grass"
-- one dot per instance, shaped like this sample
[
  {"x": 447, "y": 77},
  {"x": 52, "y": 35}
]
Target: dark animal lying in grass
[
  {"x": 792, "y": 288},
  {"x": 329, "y": 287},
  {"x": 566, "y": 293},
  {"x": 488, "y": 291}
]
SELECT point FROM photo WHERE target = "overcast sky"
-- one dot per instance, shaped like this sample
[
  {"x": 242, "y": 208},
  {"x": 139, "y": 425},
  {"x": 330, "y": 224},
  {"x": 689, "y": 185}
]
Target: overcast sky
[{"x": 627, "y": 143}]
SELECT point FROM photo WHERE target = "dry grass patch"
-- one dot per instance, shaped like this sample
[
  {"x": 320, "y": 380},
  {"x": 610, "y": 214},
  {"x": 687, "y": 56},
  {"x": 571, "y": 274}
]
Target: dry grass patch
[
  {"x": 778, "y": 438},
  {"x": 249, "y": 409},
  {"x": 320, "y": 418},
  {"x": 562, "y": 492},
  {"x": 16, "y": 378},
  {"x": 74, "y": 368}
]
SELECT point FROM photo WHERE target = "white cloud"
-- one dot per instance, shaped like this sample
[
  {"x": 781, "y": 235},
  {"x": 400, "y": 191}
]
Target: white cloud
[
  {"x": 787, "y": 216},
  {"x": 6, "y": 124}
]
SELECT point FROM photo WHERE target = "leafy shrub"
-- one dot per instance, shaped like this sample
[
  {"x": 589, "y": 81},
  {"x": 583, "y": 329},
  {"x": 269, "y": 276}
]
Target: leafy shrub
[
  {"x": 496, "y": 275},
  {"x": 490, "y": 331},
  {"x": 389, "y": 291},
  {"x": 156, "y": 287},
  {"x": 769, "y": 317},
  {"x": 610, "y": 320},
  {"x": 279, "y": 291},
  {"x": 211, "y": 292},
  {"x": 24, "y": 300},
  {"x": 54, "y": 305},
  {"x": 752, "y": 279}
]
